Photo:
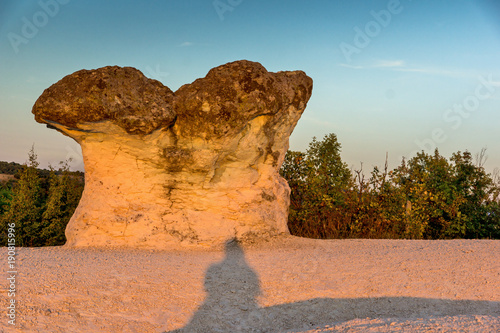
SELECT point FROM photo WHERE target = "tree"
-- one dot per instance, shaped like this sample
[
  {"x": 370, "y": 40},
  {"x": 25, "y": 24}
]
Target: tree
[
  {"x": 5, "y": 197},
  {"x": 294, "y": 170},
  {"x": 480, "y": 192},
  {"x": 433, "y": 198},
  {"x": 380, "y": 207},
  {"x": 25, "y": 208},
  {"x": 319, "y": 181},
  {"x": 64, "y": 194}
]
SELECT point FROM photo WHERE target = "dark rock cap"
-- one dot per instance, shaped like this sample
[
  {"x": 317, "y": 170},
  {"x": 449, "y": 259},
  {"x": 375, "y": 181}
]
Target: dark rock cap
[
  {"x": 225, "y": 100},
  {"x": 121, "y": 94},
  {"x": 232, "y": 94}
]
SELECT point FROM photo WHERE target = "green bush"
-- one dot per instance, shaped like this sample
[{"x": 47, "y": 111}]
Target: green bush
[{"x": 426, "y": 197}]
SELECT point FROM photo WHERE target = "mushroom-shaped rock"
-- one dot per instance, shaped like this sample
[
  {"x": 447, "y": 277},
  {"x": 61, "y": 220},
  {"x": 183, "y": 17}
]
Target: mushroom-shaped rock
[{"x": 200, "y": 165}]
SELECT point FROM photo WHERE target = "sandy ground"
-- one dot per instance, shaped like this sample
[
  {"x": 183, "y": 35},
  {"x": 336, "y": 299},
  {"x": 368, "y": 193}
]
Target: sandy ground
[{"x": 283, "y": 285}]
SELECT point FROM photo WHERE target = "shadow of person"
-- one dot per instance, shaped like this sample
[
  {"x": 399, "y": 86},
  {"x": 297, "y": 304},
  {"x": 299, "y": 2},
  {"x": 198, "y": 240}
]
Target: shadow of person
[{"x": 231, "y": 305}]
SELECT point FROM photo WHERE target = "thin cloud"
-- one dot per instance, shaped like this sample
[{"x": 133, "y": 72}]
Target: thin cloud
[
  {"x": 186, "y": 44},
  {"x": 435, "y": 71},
  {"x": 351, "y": 66},
  {"x": 389, "y": 63},
  {"x": 401, "y": 66},
  {"x": 378, "y": 64}
]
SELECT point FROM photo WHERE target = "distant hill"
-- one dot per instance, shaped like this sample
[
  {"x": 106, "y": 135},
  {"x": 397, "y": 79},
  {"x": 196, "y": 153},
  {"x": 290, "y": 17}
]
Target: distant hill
[
  {"x": 13, "y": 168},
  {"x": 10, "y": 168}
]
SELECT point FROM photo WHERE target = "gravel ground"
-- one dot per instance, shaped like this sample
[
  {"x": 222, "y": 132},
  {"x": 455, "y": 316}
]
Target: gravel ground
[{"x": 282, "y": 285}]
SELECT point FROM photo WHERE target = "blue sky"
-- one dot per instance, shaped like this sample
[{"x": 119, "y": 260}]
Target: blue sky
[{"x": 389, "y": 76}]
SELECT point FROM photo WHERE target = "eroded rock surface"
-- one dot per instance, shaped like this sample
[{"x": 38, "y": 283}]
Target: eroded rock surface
[{"x": 198, "y": 165}]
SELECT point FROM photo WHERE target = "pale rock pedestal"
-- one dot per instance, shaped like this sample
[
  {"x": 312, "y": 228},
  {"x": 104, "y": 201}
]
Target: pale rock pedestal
[{"x": 198, "y": 166}]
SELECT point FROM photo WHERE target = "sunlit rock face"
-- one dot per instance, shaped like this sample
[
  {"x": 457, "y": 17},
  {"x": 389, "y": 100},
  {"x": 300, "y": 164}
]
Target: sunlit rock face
[{"x": 196, "y": 166}]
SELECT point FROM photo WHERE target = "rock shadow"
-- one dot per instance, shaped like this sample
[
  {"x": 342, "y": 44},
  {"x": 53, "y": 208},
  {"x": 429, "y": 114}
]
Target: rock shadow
[{"x": 231, "y": 306}]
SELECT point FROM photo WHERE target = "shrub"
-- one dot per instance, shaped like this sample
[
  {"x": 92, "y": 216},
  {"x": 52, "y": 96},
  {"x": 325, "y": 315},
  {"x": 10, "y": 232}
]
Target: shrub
[{"x": 426, "y": 197}]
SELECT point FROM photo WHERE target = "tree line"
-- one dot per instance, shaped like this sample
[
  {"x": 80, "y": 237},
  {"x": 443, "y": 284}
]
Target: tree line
[
  {"x": 40, "y": 203},
  {"x": 425, "y": 197},
  {"x": 10, "y": 168}
]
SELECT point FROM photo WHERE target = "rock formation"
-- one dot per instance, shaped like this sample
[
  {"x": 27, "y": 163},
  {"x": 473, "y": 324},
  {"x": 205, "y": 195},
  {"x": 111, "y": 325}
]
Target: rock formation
[{"x": 198, "y": 165}]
